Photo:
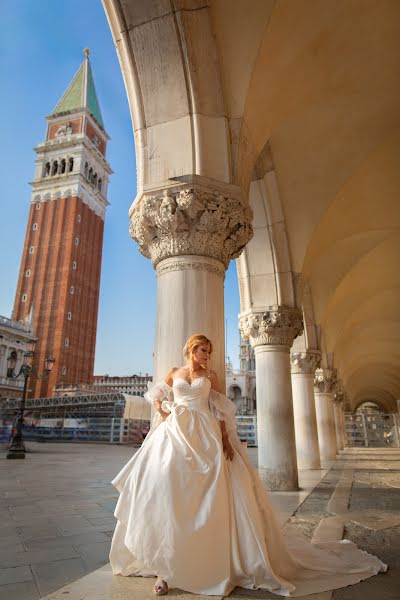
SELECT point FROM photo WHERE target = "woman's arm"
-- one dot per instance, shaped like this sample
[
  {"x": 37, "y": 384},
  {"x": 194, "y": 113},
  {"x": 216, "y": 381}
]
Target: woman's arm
[
  {"x": 228, "y": 450},
  {"x": 157, "y": 403}
]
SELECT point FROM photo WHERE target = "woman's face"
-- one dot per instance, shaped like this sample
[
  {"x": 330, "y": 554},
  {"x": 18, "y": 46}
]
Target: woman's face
[{"x": 202, "y": 354}]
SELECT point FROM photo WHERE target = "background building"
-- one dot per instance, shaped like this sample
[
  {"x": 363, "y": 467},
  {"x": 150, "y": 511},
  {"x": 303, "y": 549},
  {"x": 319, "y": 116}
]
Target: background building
[
  {"x": 61, "y": 261},
  {"x": 135, "y": 385},
  {"x": 241, "y": 384},
  {"x": 14, "y": 336}
]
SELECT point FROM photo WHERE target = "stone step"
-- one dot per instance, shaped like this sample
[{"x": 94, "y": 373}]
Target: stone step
[{"x": 369, "y": 454}]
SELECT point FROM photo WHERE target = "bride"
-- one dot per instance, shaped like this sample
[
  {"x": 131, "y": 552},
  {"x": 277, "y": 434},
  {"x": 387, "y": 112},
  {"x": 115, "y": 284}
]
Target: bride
[{"x": 193, "y": 512}]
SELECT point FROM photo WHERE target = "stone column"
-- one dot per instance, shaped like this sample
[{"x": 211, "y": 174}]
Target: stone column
[
  {"x": 337, "y": 411},
  {"x": 271, "y": 334},
  {"x": 344, "y": 407},
  {"x": 190, "y": 230},
  {"x": 324, "y": 382},
  {"x": 305, "y": 420}
]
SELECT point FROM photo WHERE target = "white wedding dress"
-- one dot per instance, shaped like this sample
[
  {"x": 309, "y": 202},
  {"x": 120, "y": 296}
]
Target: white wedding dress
[{"x": 205, "y": 524}]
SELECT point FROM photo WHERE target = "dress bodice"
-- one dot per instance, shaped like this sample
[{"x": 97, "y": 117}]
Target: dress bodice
[{"x": 193, "y": 395}]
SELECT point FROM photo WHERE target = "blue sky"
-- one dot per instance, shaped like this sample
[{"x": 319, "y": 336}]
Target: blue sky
[{"x": 41, "y": 45}]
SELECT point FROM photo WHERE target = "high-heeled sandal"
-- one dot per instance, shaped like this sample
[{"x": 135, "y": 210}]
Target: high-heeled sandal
[{"x": 160, "y": 588}]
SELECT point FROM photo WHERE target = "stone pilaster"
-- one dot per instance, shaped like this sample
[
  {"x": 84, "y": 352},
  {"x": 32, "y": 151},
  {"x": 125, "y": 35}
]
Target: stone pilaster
[
  {"x": 303, "y": 365},
  {"x": 190, "y": 229},
  {"x": 325, "y": 381},
  {"x": 271, "y": 333}
]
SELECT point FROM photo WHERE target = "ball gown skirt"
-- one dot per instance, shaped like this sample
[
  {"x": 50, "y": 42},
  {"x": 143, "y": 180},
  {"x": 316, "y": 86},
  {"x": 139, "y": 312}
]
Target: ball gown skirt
[{"x": 205, "y": 524}]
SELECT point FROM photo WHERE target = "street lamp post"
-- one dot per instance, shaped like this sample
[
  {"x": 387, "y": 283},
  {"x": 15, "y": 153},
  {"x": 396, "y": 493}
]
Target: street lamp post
[{"x": 17, "y": 448}]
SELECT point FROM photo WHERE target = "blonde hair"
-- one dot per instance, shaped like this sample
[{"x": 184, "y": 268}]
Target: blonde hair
[{"x": 196, "y": 340}]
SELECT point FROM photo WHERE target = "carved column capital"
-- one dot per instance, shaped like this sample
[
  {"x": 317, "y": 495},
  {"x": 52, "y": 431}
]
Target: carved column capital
[
  {"x": 278, "y": 326},
  {"x": 325, "y": 380},
  {"x": 305, "y": 362},
  {"x": 196, "y": 216}
]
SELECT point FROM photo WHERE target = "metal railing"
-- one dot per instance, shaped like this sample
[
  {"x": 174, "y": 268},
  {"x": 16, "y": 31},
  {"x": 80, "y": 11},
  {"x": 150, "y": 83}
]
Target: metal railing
[
  {"x": 372, "y": 430},
  {"x": 64, "y": 401}
]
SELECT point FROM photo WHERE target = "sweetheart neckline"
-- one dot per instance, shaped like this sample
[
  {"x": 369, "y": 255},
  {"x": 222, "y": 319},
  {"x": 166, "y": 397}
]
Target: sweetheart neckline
[{"x": 188, "y": 382}]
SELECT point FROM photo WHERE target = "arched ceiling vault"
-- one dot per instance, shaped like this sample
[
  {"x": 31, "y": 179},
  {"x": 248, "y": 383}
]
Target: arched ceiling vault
[{"x": 212, "y": 83}]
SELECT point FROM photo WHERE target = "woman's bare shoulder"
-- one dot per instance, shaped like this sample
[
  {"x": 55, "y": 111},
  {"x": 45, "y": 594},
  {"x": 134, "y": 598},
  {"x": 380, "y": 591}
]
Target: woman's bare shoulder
[{"x": 170, "y": 375}]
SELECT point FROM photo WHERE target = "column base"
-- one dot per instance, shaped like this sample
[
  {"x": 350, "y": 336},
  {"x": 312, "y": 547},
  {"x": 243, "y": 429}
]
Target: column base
[{"x": 279, "y": 480}]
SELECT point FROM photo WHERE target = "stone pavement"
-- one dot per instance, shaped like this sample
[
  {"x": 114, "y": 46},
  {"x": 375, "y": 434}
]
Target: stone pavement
[{"x": 57, "y": 521}]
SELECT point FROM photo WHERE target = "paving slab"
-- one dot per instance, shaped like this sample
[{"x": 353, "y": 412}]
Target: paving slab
[
  {"x": 24, "y": 590},
  {"x": 15, "y": 575},
  {"x": 53, "y": 575}
]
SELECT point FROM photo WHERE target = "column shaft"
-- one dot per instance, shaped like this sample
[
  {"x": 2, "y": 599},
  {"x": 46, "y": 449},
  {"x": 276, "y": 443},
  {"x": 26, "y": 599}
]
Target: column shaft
[
  {"x": 275, "y": 427},
  {"x": 190, "y": 299},
  {"x": 338, "y": 425},
  {"x": 326, "y": 426},
  {"x": 305, "y": 421}
]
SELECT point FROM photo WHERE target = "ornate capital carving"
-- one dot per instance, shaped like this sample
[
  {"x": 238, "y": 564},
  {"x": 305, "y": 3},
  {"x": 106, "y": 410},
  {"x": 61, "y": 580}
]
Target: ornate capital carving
[
  {"x": 191, "y": 218},
  {"x": 305, "y": 362},
  {"x": 279, "y": 325},
  {"x": 325, "y": 380}
]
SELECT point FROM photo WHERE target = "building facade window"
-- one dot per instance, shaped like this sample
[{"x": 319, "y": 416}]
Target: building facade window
[
  {"x": 70, "y": 164},
  {"x": 34, "y": 226},
  {"x": 76, "y": 241},
  {"x": 66, "y": 342},
  {"x": 63, "y": 166},
  {"x": 54, "y": 169},
  {"x": 79, "y": 218},
  {"x": 64, "y": 371},
  {"x": 28, "y": 273},
  {"x": 24, "y": 297},
  {"x": 69, "y": 316},
  {"x": 71, "y": 289},
  {"x": 31, "y": 249},
  {"x": 74, "y": 265},
  {"x": 37, "y": 205}
]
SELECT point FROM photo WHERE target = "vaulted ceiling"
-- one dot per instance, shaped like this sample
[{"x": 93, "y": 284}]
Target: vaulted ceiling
[{"x": 318, "y": 83}]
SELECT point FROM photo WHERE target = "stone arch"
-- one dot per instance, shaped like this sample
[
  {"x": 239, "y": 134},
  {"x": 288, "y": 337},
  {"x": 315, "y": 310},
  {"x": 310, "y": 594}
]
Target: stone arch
[
  {"x": 172, "y": 76},
  {"x": 264, "y": 267}
]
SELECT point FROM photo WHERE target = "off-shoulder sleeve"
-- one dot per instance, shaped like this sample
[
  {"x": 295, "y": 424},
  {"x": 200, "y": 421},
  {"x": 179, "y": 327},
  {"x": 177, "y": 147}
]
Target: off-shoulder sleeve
[
  {"x": 158, "y": 391},
  {"x": 223, "y": 409}
]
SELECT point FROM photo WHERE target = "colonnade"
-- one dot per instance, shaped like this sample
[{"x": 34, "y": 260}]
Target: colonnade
[
  {"x": 300, "y": 415},
  {"x": 190, "y": 230}
]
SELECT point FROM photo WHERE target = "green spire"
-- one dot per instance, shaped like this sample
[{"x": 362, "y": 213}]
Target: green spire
[{"x": 81, "y": 93}]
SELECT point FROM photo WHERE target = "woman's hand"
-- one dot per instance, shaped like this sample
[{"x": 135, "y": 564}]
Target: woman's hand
[
  {"x": 164, "y": 415},
  {"x": 228, "y": 449}
]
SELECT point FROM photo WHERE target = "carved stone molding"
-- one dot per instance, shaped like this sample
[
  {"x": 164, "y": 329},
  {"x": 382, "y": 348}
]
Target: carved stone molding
[
  {"x": 190, "y": 264},
  {"x": 325, "y": 381},
  {"x": 305, "y": 362},
  {"x": 191, "y": 218},
  {"x": 278, "y": 326}
]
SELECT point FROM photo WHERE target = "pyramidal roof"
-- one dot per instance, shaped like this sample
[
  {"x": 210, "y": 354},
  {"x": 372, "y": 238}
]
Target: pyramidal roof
[{"x": 81, "y": 93}]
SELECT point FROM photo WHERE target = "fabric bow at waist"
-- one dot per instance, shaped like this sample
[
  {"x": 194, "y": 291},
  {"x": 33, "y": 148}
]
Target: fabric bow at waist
[{"x": 179, "y": 408}]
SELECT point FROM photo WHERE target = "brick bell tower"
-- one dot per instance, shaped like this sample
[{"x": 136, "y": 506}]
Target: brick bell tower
[{"x": 59, "y": 276}]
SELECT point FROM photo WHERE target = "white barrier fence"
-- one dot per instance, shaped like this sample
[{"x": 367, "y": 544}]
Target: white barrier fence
[{"x": 82, "y": 429}]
